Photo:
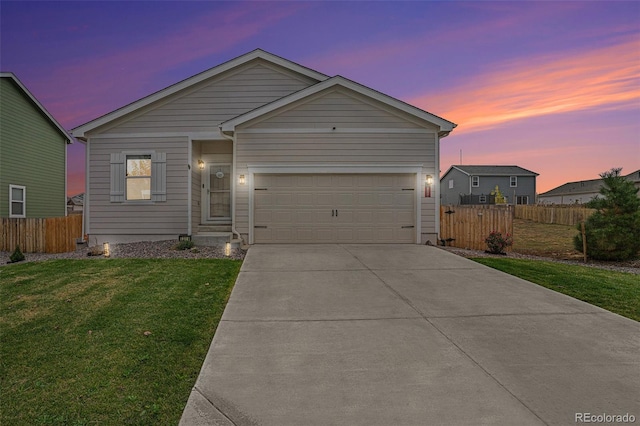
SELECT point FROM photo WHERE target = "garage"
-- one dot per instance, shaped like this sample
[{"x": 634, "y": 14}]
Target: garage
[{"x": 334, "y": 208}]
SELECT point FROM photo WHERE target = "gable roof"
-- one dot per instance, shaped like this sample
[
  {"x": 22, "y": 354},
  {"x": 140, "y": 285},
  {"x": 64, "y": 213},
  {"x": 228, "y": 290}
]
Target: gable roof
[
  {"x": 445, "y": 126},
  {"x": 80, "y": 131},
  {"x": 12, "y": 77},
  {"x": 492, "y": 170},
  {"x": 585, "y": 186}
]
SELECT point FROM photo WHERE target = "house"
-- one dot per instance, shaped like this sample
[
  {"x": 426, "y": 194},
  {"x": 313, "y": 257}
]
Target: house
[
  {"x": 264, "y": 150},
  {"x": 580, "y": 192},
  {"x": 477, "y": 185},
  {"x": 33, "y": 155},
  {"x": 75, "y": 204}
]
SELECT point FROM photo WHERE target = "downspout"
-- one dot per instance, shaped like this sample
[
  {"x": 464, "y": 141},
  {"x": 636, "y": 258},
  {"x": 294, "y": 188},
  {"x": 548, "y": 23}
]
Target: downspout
[{"x": 235, "y": 184}]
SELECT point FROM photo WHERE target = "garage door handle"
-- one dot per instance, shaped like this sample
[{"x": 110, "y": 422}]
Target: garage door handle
[
  {"x": 408, "y": 226},
  {"x": 336, "y": 213}
]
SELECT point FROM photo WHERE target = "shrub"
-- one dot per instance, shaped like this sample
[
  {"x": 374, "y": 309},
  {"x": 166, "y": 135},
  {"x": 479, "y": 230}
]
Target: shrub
[
  {"x": 184, "y": 245},
  {"x": 497, "y": 243},
  {"x": 17, "y": 255},
  {"x": 613, "y": 232}
]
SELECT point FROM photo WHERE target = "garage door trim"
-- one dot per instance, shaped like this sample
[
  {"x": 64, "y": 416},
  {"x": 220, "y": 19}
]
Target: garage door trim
[{"x": 416, "y": 169}]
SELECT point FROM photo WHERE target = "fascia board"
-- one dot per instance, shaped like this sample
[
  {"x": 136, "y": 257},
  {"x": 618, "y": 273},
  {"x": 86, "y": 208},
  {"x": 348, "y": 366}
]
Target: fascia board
[
  {"x": 445, "y": 125},
  {"x": 80, "y": 131},
  {"x": 35, "y": 101}
]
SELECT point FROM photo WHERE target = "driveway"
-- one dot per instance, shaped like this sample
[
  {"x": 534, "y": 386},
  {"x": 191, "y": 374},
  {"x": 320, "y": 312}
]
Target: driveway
[{"x": 408, "y": 335}]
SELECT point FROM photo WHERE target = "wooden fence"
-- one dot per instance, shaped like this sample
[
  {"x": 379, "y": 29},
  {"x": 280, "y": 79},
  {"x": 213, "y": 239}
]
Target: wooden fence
[
  {"x": 50, "y": 235},
  {"x": 468, "y": 226},
  {"x": 559, "y": 215}
]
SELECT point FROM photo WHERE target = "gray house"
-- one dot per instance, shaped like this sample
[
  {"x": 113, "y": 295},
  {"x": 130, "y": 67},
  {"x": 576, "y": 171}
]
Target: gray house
[
  {"x": 264, "y": 150},
  {"x": 581, "y": 191},
  {"x": 477, "y": 185}
]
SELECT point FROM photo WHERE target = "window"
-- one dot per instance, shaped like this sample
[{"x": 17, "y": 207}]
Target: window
[
  {"x": 522, "y": 199},
  {"x": 17, "y": 201},
  {"x": 513, "y": 181},
  {"x": 483, "y": 199},
  {"x": 138, "y": 177},
  {"x": 475, "y": 181},
  {"x": 450, "y": 183}
]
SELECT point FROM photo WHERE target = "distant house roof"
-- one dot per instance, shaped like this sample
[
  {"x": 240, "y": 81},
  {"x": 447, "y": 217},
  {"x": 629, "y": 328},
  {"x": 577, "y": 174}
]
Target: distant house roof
[
  {"x": 493, "y": 170},
  {"x": 76, "y": 200},
  {"x": 585, "y": 186},
  {"x": 12, "y": 77}
]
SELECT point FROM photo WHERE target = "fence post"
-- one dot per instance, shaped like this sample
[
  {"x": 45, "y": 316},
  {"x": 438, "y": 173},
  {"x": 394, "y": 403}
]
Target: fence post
[{"x": 584, "y": 241}]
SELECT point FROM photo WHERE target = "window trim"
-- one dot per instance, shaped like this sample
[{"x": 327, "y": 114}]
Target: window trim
[
  {"x": 127, "y": 177},
  {"x": 513, "y": 181},
  {"x": 482, "y": 199},
  {"x": 475, "y": 181},
  {"x": 23, "y": 201},
  {"x": 451, "y": 183}
]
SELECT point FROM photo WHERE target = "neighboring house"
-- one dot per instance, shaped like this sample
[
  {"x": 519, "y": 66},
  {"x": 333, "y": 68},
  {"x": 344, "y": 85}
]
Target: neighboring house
[
  {"x": 580, "y": 192},
  {"x": 33, "y": 155},
  {"x": 75, "y": 204},
  {"x": 477, "y": 184},
  {"x": 268, "y": 150}
]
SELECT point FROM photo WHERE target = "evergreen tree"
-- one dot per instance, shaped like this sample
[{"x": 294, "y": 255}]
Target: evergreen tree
[{"x": 613, "y": 231}]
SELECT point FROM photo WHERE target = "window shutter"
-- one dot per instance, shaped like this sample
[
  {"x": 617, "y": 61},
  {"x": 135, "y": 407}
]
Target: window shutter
[
  {"x": 159, "y": 176},
  {"x": 117, "y": 177}
]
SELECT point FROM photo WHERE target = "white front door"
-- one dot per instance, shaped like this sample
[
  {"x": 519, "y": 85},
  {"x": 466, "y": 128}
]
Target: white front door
[{"x": 218, "y": 192}]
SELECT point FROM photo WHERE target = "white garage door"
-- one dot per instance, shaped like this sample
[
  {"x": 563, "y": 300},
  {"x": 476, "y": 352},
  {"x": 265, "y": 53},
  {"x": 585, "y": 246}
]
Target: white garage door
[{"x": 334, "y": 208}]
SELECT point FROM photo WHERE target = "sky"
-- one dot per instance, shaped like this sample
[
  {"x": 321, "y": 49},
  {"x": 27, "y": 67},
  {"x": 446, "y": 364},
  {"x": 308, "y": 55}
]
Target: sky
[{"x": 553, "y": 87}]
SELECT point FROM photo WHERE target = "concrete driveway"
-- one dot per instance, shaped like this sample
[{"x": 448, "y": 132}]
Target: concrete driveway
[{"x": 408, "y": 335}]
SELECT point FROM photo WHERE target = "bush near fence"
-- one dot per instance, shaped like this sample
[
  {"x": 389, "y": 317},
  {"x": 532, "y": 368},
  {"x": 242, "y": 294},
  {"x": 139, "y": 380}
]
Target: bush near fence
[
  {"x": 466, "y": 226},
  {"x": 558, "y": 215},
  {"x": 36, "y": 235}
]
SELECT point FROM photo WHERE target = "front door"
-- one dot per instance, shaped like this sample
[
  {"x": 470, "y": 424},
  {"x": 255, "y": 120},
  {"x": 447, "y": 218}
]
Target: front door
[{"x": 218, "y": 184}]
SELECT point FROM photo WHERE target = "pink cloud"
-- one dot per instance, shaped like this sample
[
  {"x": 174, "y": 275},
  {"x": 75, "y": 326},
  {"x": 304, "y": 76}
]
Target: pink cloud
[
  {"x": 99, "y": 83},
  {"x": 605, "y": 78}
]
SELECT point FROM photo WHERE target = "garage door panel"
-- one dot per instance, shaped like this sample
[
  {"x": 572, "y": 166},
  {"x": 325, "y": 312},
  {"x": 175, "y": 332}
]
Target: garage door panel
[{"x": 298, "y": 208}]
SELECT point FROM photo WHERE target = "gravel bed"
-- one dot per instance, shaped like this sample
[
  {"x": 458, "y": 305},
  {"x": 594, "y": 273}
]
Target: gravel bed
[
  {"x": 140, "y": 250},
  {"x": 631, "y": 266}
]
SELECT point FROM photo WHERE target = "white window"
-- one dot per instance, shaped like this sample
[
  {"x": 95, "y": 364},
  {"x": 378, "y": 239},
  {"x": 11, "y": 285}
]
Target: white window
[
  {"x": 475, "y": 181},
  {"x": 513, "y": 181},
  {"x": 138, "y": 177},
  {"x": 483, "y": 199},
  {"x": 450, "y": 183},
  {"x": 17, "y": 201}
]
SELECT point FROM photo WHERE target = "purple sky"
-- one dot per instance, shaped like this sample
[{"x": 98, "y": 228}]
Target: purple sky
[{"x": 553, "y": 87}]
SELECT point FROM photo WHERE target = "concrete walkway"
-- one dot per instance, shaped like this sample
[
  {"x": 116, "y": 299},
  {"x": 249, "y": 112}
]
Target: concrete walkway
[{"x": 407, "y": 335}]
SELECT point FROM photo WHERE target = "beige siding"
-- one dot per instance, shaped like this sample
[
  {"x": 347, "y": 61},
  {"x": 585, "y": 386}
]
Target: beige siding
[
  {"x": 141, "y": 218},
  {"x": 337, "y": 108},
  {"x": 204, "y": 106}
]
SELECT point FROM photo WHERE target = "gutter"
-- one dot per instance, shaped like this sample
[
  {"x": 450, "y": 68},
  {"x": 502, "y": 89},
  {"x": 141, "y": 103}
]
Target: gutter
[{"x": 235, "y": 185}]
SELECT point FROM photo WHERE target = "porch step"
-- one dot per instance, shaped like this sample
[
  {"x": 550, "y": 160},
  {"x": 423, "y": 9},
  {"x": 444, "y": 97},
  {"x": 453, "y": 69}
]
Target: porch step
[
  {"x": 212, "y": 239},
  {"x": 213, "y": 228}
]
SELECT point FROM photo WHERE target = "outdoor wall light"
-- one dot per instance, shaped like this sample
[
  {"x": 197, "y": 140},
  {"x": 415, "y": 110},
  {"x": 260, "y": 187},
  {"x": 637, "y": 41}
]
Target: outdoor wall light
[
  {"x": 428, "y": 180},
  {"x": 241, "y": 180},
  {"x": 201, "y": 164},
  {"x": 227, "y": 249},
  {"x": 106, "y": 250}
]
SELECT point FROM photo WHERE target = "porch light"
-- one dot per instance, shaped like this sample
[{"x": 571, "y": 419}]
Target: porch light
[
  {"x": 106, "y": 250},
  {"x": 429, "y": 179},
  {"x": 227, "y": 249},
  {"x": 201, "y": 164},
  {"x": 241, "y": 180}
]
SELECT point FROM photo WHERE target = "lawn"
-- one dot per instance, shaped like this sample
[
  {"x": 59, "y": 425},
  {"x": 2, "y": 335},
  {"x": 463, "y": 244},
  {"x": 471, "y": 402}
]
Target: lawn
[
  {"x": 617, "y": 292},
  {"x": 110, "y": 341},
  {"x": 542, "y": 239}
]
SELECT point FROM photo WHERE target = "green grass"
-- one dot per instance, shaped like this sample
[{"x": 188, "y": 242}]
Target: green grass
[
  {"x": 617, "y": 292},
  {"x": 542, "y": 239},
  {"x": 73, "y": 348}
]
